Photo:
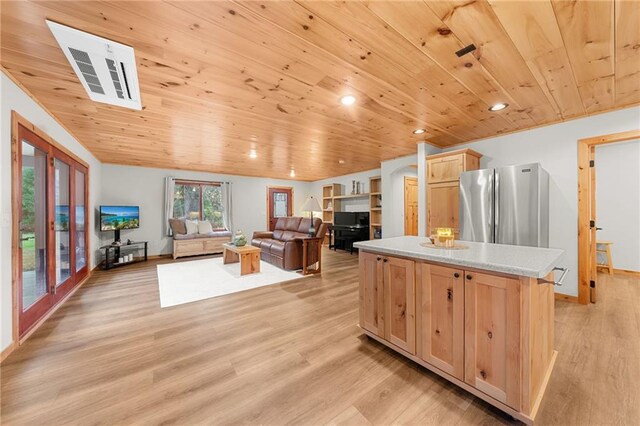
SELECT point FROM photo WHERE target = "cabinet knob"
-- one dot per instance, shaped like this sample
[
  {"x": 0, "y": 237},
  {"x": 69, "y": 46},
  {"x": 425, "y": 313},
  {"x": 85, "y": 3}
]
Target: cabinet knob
[
  {"x": 378, "y": 258},
  {"x": 456, "y": 275},
  {"x": 469, "y": 276},
  {"x": 385, "y": 260}
]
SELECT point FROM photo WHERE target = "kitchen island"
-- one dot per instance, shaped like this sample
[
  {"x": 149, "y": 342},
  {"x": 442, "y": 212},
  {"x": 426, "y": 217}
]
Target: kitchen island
[{"x": 480, "y": 315}]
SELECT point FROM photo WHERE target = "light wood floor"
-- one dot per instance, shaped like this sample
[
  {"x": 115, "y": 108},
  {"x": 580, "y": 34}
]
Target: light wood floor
[{"x": 288, "y": 354}]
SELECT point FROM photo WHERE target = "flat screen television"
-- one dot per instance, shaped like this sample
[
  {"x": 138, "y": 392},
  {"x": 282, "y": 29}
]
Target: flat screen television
[
  {"x": 351, "y": 218},
  {"x": 115, "y": 218}
]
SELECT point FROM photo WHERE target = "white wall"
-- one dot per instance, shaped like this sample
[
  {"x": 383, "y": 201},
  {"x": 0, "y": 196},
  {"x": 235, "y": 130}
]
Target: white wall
[
  {"x": 354, "y": 205},
  {"x": 393, "y": 172},
  {"x": 13, "y": 98},
  {"x": 618, "y": 201},
  {"x": 144, "y": 187},
  {"x": 555, "y": 148}
]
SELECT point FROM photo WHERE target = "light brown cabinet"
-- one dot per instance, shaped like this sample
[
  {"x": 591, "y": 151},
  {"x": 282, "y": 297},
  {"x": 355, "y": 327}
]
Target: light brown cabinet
[
  {"x": 492, "y": 336},
  {"x": 440, "y": 317},
  {"x": 371, "y": 293},
  {"x": 489, "y": 333},
  {"x": 387, "y": 299},
  {"x": 443, "y": 206},
  {"x": 400, "y": 302},
  {"x": 443, "y": 192}
]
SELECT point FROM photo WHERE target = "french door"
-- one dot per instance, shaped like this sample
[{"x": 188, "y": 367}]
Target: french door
[{"x": 52, "y": 194}]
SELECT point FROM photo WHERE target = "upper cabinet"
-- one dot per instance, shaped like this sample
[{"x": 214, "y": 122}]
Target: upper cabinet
[
  {"x": 446, "y": 167},
  {"x": 443, "y": 180}
]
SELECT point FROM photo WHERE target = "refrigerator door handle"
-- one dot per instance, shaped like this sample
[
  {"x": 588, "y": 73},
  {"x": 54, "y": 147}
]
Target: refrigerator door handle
[
  {"x": 491, "y": 218},
  {"x": 496, "y": 202}
]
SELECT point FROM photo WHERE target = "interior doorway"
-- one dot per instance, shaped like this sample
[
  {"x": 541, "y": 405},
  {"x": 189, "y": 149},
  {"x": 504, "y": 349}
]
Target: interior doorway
[
  {"x": 587, "y": 212},
  {"x": 279, "y": 204},
  {"x": 410, "y": 205}
]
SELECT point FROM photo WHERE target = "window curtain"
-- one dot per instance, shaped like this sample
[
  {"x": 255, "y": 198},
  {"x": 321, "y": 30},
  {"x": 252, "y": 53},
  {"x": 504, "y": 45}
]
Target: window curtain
[
  {"x": 227, "y": 206},
  {"x": 169, "y": 188}
]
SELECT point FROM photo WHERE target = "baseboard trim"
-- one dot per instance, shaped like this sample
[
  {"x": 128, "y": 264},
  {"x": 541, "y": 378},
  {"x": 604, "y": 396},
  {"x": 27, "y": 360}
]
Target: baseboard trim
[
  {"x": 566, "y": 297},
  {"x": 7, "y": 351},
  {"x": 626, "y": 272}
]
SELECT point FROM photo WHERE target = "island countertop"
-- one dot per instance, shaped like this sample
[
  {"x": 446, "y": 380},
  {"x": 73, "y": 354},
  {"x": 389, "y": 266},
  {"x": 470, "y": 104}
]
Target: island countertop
[{"x": 534, "y": 262}]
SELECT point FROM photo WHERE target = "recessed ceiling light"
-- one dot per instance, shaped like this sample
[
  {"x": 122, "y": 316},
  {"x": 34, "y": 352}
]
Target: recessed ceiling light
[
  {"x": 499, "y": 106},
  {"x": 348, "y": 100},
  {"x": 341, "y": 161},
  {"x": 293, "y": 173},
  {"x": 418, "y": 131},
  {"x": 253, "y": 154}
]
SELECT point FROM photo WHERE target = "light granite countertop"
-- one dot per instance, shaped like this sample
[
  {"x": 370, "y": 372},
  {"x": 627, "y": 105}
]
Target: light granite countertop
[{"x": 524, "y": 261}]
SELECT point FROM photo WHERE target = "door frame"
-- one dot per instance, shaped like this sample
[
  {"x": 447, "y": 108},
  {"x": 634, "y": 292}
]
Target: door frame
[
  {"x": 269, "y": 187},
  {"x": 16, "y": 121},
  {"x": 415, "y": 179},
  {"x": 586, "y": 193}
]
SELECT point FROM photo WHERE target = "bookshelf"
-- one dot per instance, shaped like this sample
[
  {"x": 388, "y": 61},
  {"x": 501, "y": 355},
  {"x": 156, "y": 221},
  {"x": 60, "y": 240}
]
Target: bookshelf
[{"x": 375, "y": 207}]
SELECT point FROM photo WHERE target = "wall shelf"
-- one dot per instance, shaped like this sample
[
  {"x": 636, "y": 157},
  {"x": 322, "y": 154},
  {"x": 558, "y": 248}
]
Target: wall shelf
[
  {"x": 375, "y": 207},
  {"x": 343, "y": 197}
]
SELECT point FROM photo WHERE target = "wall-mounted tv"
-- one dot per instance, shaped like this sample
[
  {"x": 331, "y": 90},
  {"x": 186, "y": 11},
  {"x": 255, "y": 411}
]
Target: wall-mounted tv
[{"x": 115, "y": 218}]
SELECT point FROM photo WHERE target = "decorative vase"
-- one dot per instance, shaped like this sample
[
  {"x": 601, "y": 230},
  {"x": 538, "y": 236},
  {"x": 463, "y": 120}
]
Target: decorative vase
[
  {"x": 357, "y": 187},
  {"x": 239, "y": 239},
  {"x": 353, "y": 187}
]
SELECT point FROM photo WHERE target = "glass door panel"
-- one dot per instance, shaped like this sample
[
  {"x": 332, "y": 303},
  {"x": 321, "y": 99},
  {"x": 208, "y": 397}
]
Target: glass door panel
[
  {"x": 62, "y": 221},
  {"x": 280, "y": 204},
  {"x": 80, "y": 232},
  {"x": 33, "y": 225}
]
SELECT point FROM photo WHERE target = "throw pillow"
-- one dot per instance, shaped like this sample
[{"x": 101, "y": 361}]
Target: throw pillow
[
  {"x": 178, "y": 226},
  {"x": 204, "y": 227},
  {"x": 192, "y": 226}
]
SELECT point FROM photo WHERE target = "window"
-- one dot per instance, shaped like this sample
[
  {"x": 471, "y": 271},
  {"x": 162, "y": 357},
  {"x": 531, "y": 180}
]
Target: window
[{"x": 198, "y": 200}]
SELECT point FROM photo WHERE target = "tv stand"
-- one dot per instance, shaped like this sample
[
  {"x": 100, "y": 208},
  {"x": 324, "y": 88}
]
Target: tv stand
[
  {"x": 112, "y": 254},
  {"x": 116, "y": 237}
]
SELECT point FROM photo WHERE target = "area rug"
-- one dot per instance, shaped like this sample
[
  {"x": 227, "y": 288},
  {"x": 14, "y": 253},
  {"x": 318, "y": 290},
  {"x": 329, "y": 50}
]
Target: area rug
[{"x": 185, "y": 282}]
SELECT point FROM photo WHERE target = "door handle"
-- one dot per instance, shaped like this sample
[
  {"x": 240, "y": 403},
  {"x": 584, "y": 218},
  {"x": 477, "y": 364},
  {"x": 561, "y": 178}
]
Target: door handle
[{"x": 598, "y": 229}]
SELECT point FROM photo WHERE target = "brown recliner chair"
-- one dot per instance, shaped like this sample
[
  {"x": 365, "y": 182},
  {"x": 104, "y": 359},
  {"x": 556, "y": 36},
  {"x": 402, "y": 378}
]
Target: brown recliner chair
[{"x": 282, "y": 247}]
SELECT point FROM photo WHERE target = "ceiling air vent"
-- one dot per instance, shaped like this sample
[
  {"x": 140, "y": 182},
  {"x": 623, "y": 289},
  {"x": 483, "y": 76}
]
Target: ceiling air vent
[{"x": 106, "y": 69}]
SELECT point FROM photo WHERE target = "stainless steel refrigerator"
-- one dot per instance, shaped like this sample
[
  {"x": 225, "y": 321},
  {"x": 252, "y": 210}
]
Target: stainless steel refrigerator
[{"x": 505, "y": 205}]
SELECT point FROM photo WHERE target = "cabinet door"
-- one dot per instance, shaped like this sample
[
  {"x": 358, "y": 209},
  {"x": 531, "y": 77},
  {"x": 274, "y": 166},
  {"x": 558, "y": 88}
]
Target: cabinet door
[
  {"x": 492, "y": 336},
  {"x": 445, "y": 169},
  {"x": 399, "y": 303},
  {"x": 440, "y": 317},
  {"x": 443, "y": 206},
  {"x": 371, "y": 293}
]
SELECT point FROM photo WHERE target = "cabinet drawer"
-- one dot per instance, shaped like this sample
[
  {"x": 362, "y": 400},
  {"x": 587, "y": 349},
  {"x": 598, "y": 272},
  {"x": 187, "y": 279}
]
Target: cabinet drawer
[
  {"x": 214, "y": 246},
  {"x": 190, "y": 246}
]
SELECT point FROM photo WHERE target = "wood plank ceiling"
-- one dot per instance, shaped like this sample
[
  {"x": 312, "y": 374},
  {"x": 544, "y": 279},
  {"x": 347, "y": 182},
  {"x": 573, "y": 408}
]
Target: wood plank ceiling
[{"x": 219, "y": 79}]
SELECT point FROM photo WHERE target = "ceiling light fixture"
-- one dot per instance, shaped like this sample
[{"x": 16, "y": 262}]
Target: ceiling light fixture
[
  {"x": 293, "y": 173},
  {"x": 499, "y": 106},
  {"x": 253, "y": 154},
  {"x": 418, "y": 131},
  {"x": 348, "y": 100}
]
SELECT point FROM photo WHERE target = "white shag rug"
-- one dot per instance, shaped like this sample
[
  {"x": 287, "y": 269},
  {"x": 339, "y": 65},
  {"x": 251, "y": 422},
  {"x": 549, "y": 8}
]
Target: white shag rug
[{"x": 185, "y": 282}]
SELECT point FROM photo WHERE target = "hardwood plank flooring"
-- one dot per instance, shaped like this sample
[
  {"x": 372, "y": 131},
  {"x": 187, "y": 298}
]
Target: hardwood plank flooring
[{"x": 288, "y": 354}]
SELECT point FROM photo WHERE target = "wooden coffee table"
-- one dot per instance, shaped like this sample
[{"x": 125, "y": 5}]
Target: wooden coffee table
[{"x": 248, "y": 256}]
